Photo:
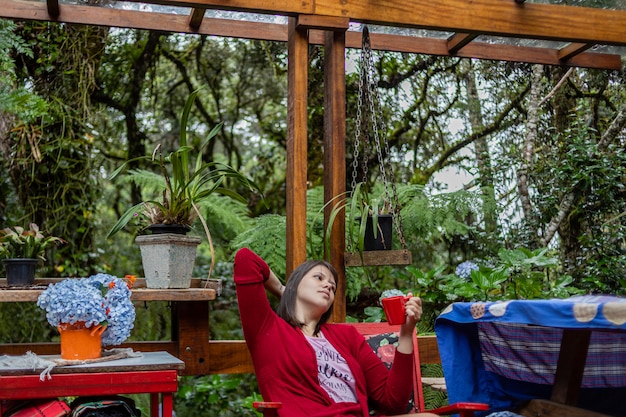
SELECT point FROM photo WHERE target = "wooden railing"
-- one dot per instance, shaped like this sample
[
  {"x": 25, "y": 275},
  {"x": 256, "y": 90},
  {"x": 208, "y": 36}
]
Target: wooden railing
[{"x": 190, "y": 339}]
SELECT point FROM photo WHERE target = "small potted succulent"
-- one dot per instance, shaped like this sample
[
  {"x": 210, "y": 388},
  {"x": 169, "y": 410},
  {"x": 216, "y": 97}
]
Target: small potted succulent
[
  {"x": 21, "y": 251},
  {"x": 184, "y": 183}
]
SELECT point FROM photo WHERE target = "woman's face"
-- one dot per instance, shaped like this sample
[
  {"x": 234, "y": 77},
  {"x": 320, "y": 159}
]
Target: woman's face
[{"x": 316, "y": 291}]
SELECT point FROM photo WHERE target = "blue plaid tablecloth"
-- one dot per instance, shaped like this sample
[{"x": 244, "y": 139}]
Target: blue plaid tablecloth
[{"x": 505, "y": 353}]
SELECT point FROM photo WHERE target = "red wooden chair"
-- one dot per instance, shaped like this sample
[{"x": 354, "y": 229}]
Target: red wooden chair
[{"x": 374, "y": 332}]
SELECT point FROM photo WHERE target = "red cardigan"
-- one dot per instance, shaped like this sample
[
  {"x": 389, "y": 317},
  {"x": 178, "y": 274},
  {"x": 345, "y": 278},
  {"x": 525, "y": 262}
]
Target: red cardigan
[{"x": 285, "y": 363}]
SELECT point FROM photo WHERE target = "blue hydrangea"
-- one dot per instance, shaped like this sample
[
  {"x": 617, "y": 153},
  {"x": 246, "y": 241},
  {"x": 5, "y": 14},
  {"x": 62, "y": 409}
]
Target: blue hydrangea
[
  {"x": 389, "y": 293},
  {"x": 100, "y": 299},
  {"x": 464, "y": 269}
]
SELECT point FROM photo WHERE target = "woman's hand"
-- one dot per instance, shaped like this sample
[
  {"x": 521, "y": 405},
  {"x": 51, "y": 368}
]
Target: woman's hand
[
  {"x": 413, "y": 308},
  {"x": 413, "y": 313}
]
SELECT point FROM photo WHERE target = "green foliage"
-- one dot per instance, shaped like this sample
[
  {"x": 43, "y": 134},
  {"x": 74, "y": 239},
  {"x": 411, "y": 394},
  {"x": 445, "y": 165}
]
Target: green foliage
[
  {"x": 24, "y": 323},
  {"x": 217, "y": 395},
  {"x": 513, "y": 274},
  {"x": 267, "y": 238},
  {"x": 16, "y": 242},
  {"x": 16, "y": 99}
]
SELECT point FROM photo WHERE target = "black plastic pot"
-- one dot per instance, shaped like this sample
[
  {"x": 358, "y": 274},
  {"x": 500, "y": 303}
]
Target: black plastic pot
[
  {"x": 383, "y": 235},
  {"x": 178, "y": 229},
  {"x": 20, "y": 271}
]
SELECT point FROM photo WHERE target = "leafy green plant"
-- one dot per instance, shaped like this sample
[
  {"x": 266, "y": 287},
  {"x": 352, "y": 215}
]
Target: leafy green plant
[
  {"x": 514, "y": 274},
  {"x": 359, "y": 207},
  {"x": 17, "y": 242},
  {"x": 217, "y": 395},
  {"x": 183, "y": 189}
]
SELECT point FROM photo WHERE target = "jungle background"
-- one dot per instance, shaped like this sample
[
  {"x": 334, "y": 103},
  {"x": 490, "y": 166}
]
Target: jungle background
[{"x": 517, "y": 168}]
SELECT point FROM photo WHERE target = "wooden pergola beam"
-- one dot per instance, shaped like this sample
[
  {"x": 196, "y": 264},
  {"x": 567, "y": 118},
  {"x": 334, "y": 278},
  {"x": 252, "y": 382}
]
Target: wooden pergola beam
[
  {"x": 297, "y": 141},
  {"x": 459, "y": 40},
  {"x": 90, "y": 15},
  {"x": 489, "y": 17},
  {"x": 573, "y": 49},
  {"x": 195, "y": 18}
]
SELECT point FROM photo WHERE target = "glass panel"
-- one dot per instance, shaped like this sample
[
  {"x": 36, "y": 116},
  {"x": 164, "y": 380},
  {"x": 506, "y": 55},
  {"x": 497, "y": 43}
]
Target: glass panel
[{"x": 598, "y": 4}]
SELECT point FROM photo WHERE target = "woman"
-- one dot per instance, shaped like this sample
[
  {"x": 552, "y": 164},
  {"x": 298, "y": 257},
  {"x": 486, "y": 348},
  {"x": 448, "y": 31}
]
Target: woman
[{"x": 312, "y": 367}]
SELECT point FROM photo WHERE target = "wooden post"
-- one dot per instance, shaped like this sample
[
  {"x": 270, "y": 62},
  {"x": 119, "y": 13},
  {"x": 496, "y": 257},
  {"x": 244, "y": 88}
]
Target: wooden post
[
  {"x": 298, "y": 48},
  {"x": 335, "y": 155}
]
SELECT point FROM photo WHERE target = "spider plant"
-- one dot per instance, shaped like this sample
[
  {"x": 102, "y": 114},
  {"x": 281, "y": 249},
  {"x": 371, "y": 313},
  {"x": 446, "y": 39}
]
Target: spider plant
[{"x": 183, "y": 188}]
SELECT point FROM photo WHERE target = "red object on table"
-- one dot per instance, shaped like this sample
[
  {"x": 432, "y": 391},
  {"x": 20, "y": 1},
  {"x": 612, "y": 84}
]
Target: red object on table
[{"x": 156, "y": 373}]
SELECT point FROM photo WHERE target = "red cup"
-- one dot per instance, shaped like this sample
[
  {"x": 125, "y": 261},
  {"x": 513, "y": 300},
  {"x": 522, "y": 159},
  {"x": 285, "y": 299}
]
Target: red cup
[{"x": 394, "y": 309}]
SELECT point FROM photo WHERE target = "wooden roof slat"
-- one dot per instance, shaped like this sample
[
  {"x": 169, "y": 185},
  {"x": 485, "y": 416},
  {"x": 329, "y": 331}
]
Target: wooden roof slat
[
  {"x": 20, "y": 9},
  {"x": 195, "y": 18},
  {"x": 459, "y": 40},
  {"x": 573, "y": 49},
  {"x": 308, "y": 21}
]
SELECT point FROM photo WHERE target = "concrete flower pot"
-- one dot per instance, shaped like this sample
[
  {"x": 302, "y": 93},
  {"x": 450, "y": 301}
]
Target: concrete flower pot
[{"x": 168, "y": 259}]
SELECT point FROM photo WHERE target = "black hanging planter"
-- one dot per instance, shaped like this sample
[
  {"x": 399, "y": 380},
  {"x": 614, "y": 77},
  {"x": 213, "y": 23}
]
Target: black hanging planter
[
  {"x": 382, "y": 241},
  {"x": 378, "y": 251},
  {"x": 20, "y": 271}
]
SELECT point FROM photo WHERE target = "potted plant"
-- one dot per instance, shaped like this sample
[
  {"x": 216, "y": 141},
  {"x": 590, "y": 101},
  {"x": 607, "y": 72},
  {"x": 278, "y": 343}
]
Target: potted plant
[
  {"x": 369, "y": 224},
  {"x": 21, "y": 250},
  {"x": 89, "y": 313},
  {"x": 167, "y": 254}
]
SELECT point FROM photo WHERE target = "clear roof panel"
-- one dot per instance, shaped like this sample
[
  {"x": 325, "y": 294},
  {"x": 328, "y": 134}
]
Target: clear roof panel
[
  {"x": 599, "y": 4},
  {"x": 355, "y": 26}
]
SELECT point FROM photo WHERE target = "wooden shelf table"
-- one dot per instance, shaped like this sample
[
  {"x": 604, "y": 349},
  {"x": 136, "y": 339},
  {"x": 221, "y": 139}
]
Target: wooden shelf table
[
  {"x": 154, "y": 373},
  {"x": 190, "y": 321}
]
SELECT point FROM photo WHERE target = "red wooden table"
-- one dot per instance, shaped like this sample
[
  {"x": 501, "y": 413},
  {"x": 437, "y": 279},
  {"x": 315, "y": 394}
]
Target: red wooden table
[{"x": 154, "y": 373}]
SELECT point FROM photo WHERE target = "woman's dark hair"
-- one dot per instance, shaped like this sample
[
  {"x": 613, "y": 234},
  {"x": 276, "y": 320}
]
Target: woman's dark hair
[{"x": 287, "y": 306}]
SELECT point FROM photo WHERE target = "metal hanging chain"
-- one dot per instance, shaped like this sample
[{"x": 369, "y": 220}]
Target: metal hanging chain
[{"x": 368, "y": 99}]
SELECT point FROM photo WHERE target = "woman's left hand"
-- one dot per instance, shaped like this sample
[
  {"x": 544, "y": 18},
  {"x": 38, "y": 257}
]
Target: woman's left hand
[
  {"x": 413, "y": 310},
  {"x": 413, "y": 313}
]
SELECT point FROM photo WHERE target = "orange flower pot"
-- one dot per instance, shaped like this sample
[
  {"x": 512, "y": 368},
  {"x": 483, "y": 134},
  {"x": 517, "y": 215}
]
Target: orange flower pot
[{"x": 79, "y": 342}]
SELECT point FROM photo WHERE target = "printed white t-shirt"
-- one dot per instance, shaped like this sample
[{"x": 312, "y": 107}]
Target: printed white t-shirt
[{"x": 333, "y": 372}]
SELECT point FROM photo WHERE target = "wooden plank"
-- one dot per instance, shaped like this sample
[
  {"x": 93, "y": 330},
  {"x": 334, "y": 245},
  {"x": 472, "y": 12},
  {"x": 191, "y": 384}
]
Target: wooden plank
[
  {"x": 297, "y": 140},
  {"x": 229, "y": 357},
  {"x": 458, "y": 41},
  {"x": 51, "y": 348},
  {"x": 419, "y": 45},
  {"x": 379, "y": 257},
  {"x": 572, "y": 50},
  {"x": 547, "y": 408},
  {"x": 282, "y": 7},
  {"x": 191, "y": 330},
  {"x": 490, "y": 17},
  {"x": 570, "y": 366},
  {"x": 437, "y": 384},
  {"x": 30, "y": 294},
  {"x": 429, "y": 349},
  {"x": 493, "y": 17},
  {"x": 335, "y": 156},
  {"x": 195, "y": 18},
  {"x": 307, "y": 21},
  {"x": 19, "y": 9}
]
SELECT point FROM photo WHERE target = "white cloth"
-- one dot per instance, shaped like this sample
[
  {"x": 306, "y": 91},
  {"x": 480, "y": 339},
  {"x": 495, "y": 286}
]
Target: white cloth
[{"x": 33, "y": 362}]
